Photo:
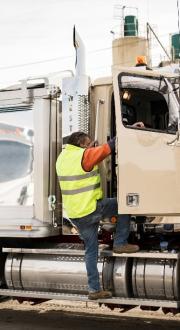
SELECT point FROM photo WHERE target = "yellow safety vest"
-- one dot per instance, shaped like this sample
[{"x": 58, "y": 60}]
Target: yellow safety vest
[{"x": 80, "y": 190}]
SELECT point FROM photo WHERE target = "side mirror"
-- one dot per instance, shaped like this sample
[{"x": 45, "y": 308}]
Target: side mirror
[{"x": 174, "y": 127}]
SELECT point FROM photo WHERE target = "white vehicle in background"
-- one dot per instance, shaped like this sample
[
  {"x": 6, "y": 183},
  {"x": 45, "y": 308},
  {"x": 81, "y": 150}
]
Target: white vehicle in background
[{"x": 16, "y": 167}]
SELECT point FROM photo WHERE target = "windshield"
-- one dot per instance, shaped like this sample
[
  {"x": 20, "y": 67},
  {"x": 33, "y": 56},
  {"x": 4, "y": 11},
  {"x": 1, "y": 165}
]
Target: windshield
[{"x": 15, "y": 160}]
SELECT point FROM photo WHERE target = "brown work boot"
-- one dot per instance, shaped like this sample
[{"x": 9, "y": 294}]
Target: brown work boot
[
  {"x": 99, "y": 295},
  {"x": 126, "y": 248}
]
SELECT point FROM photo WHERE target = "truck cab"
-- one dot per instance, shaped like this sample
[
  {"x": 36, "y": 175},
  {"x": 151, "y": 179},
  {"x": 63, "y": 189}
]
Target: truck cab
[{"x": 144, "y": 174}]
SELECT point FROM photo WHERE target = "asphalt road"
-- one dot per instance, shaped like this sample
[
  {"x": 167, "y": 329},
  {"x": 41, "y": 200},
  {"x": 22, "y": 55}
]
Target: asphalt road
[{"x": 49, "y": 316}]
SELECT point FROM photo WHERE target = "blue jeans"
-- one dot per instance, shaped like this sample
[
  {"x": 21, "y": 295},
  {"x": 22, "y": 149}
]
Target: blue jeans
[{"x": 88, "y": 229}]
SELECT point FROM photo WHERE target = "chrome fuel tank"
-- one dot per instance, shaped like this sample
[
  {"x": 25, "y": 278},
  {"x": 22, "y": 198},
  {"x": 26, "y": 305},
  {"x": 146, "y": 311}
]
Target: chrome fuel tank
[
  {"x": 127, "y": 277},
  {"x": 117, "y": 276},
  {"x": 55, "y": 273},
  {"x": 155, "y": 279}
]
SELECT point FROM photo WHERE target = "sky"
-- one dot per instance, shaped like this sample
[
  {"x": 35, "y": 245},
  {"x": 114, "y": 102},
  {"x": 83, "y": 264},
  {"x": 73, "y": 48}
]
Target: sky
[{"x": 36, "y": 35}]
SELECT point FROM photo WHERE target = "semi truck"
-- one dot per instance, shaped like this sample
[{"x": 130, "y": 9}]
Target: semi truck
[{"x": 42, "y": 255}]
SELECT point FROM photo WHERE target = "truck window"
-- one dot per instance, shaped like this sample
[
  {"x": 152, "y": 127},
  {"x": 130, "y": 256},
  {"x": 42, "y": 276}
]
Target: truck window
[
  {"x": 146, "y": 106},
  {"x": 15, "y": 160},
  {"x": 148, "y": 101}
]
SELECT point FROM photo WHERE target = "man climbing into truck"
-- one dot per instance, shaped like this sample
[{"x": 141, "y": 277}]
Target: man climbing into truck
[{"x": 79, "y": 178}]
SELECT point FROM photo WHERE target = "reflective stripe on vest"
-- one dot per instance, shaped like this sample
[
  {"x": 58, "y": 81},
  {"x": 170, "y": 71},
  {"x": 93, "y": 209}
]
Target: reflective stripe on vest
[
  {"x": 78, "y": 177},
  {"x": 80, "y": 190}
]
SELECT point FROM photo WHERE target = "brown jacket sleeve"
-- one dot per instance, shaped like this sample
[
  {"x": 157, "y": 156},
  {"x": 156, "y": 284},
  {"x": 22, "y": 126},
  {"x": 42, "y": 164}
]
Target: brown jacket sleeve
[{"x": 93, "y": 156}]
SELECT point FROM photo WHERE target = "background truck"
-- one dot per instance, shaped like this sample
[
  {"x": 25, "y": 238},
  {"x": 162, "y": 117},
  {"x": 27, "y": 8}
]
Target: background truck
[{"x": 42, "y": 256}]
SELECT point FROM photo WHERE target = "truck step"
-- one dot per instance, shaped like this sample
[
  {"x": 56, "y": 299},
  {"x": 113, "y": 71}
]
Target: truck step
[
  {"x": 79, "y": 297},
  {"x": 103, "y": 252}
]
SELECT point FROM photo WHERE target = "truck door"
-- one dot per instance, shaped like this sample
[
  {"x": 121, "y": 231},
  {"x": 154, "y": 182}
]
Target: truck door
[{"x": 148, "y": 161}]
